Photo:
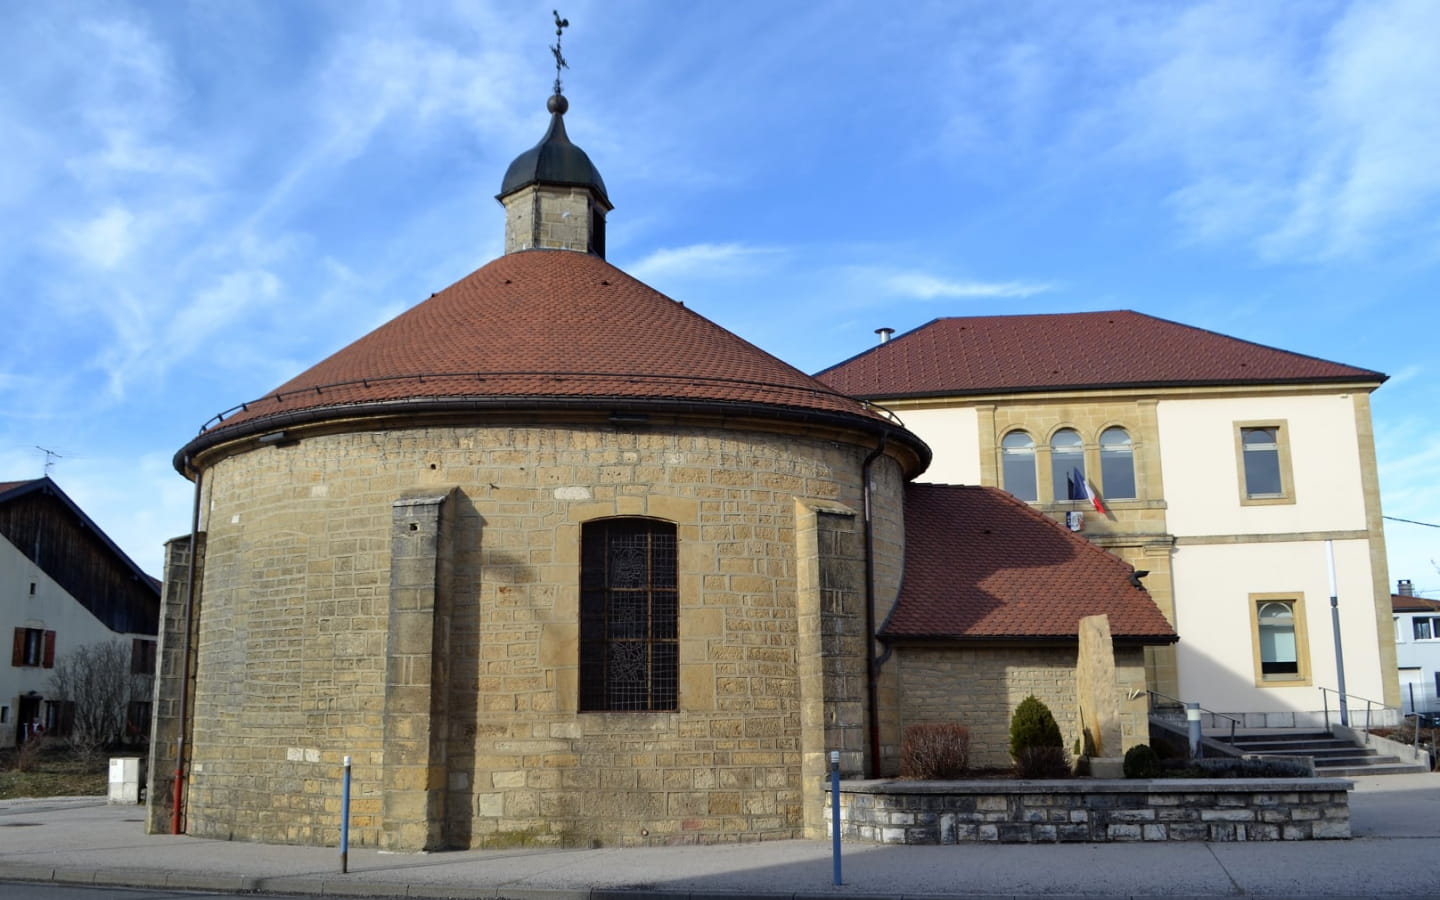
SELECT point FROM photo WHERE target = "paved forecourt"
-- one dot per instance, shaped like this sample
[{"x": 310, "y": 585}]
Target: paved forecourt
[{"x": 1396, "y": 820}]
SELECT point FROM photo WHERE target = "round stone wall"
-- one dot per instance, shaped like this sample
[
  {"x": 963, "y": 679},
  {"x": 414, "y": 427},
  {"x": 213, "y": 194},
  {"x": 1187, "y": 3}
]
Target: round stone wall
[{"x": 409, "y": 597}]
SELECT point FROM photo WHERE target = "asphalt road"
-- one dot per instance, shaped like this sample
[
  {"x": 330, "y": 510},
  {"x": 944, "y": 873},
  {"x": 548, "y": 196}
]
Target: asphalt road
[{"x": 13, "y": 890}]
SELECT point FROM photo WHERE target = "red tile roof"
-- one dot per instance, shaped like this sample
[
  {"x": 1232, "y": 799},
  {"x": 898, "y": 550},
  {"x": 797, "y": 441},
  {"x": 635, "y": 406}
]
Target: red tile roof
[
  {"x": 545, "y": 327},
  {"x": 981, "y": 565},
  {"x": 1409, "y": 603},
  {"x": 993, "y": 354}
]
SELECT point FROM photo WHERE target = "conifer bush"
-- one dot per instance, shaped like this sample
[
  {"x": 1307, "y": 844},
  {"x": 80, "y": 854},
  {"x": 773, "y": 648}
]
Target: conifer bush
[
  {"x": 1141, "y": 761},
  {"x": 1035, "y": 742},
  {"x": 1033, "y": 725},
  {"x": 935, "y": 751}
]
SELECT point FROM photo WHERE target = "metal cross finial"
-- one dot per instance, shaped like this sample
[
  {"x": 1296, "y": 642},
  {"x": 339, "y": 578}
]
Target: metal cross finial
[{"x": 560, "y": 63}]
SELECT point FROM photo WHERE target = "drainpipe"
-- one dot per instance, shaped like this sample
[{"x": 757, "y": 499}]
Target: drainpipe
[
  {"x": 185, "y": 654},
  {"x": 1335, "y": 629},
  {"x": 872, "y": 664}
]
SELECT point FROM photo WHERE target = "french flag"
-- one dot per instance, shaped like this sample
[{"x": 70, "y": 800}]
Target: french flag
[{"x": 1080, "y": 489}]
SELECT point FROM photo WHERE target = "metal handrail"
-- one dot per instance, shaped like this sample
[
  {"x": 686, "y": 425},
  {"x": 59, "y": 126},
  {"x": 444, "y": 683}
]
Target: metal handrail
[
  {"x": 1183, "y": 704},
  {"x": 1344, "y": 711}
]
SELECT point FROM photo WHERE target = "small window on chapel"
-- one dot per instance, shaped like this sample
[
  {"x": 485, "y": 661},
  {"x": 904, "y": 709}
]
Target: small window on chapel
[
  {"x": 629, "y": 609},
  {"x": 597, "y": 232}
]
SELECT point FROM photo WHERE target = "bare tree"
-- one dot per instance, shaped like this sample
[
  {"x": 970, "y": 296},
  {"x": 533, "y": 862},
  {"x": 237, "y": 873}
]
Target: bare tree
[{"x": 98, "y": 683}]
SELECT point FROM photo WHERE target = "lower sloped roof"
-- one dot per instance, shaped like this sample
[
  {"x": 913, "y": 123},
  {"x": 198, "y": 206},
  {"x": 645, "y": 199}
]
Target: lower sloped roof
[
  {"x": 1410, "y": 603},
  {"x": 981, "y": 565}
]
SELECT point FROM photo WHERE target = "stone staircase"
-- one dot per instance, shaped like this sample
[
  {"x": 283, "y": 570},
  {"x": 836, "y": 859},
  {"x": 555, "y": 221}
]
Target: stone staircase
[{"x": 1334, "y": 756}]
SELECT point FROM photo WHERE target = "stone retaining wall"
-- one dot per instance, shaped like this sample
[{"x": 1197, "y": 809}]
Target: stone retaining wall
[{"x": 1095, "y": 811}]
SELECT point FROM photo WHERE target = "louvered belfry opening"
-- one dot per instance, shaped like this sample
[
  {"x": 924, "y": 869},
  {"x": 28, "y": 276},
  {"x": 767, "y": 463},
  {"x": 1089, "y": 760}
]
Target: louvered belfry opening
[{"x": 629, "y": 603}]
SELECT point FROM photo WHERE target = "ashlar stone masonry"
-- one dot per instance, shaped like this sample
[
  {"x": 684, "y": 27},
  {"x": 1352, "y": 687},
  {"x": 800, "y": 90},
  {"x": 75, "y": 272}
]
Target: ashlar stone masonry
[{"x": 409, "y": 597}]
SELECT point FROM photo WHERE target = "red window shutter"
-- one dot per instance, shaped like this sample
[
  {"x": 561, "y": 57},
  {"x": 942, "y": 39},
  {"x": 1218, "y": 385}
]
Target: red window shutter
[
  {"x": 49, "y": 661},
  {"x": 17, "y": 658}
]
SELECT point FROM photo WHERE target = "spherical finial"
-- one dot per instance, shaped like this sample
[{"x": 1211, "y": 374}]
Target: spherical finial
[{"x": 557, "y": 104}]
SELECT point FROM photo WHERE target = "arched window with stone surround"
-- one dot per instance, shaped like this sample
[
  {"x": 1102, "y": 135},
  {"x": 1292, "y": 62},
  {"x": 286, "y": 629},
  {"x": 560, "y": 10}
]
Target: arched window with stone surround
[
  {"x": 1017, "y": 465},
  {"x": 1117, "y": 464},
  {"x": 629, "y": 608},
  {"x": 1067, "y": 465}
]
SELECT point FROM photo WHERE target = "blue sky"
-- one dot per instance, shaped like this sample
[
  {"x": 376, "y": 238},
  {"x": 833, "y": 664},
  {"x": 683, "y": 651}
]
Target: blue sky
[{"x": 201, "y": 199}]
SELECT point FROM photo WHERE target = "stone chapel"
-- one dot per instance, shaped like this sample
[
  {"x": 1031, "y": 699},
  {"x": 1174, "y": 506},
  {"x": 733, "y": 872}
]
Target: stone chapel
[{"x": 554, "y": 560}]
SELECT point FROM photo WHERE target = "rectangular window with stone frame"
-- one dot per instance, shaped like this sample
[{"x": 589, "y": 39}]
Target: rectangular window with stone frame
[
  {"x": 1280, "y": 639},
  {"x": 1263, "y": 457},
  {"x": 629, "y": 610}
]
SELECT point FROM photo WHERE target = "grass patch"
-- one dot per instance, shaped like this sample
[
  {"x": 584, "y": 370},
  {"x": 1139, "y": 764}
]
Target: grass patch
[{"x": 53, "y": 772}]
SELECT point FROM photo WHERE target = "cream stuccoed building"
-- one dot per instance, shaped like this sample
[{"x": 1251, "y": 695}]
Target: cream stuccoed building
[{"x": 1233, "y": 473}]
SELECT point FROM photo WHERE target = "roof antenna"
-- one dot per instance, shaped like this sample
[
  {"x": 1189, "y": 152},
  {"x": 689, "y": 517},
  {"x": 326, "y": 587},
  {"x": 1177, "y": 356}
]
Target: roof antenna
[
  {"x": 560, "y": 63},
  {"x": 50, "y": 457}
]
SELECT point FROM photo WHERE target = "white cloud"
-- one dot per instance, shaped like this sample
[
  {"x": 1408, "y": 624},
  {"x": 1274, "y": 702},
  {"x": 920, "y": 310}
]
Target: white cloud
[
  {"x": 148, "y": 342},
  {"x": 929, "y": 287},
  {"x": 104, "y": 241},
  {"x": 1306, "y": 137},
  {"x": 1409, "y": 373},
  {"x": 1379, "y": 124},
  {"x": 128, "y": 102},
  {"x": 698, "y": 260},
  {"x": 386, "y": 76}
]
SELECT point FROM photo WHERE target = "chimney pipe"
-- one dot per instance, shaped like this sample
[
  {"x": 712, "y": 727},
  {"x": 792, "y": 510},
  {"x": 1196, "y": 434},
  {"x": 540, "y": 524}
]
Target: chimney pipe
[
  {"x": 884, "y": 334},
  {"x": 1406, "y": 588}
]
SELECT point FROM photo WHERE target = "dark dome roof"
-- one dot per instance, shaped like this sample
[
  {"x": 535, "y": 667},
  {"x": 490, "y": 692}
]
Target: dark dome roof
[{"x": 554, "y": 160}]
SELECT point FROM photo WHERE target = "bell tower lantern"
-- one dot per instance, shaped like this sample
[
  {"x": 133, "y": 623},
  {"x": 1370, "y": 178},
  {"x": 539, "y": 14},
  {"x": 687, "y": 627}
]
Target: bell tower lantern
[{"x": 553, "y": 195}]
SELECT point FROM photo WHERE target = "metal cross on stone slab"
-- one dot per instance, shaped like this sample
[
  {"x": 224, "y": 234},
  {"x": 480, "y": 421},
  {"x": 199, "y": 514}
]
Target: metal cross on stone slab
[{"x": 560, "y": 63}]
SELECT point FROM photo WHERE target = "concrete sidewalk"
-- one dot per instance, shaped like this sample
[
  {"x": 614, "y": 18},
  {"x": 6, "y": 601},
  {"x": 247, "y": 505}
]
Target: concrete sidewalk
[{"x": 1396, "y": 820}]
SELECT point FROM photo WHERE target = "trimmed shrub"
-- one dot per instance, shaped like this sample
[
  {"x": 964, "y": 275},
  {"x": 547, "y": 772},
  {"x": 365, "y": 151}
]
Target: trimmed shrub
[
  {"x": 935, "y": 751},
  {"x": 1142, "y": 762},
  {"x": 1033, "y": 726},
  {"x": 1043, "y": 762},
  {"x": 1035, "y": 742},
  {"x": 1230, "y": 767}
]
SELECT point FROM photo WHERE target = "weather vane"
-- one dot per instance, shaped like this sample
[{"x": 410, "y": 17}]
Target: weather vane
[{"x": 560, "y": 63}]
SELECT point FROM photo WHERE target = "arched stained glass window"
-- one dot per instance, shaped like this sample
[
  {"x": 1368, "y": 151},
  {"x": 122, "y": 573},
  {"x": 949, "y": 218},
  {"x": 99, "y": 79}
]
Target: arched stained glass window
[{"x": 629, "y": 609}]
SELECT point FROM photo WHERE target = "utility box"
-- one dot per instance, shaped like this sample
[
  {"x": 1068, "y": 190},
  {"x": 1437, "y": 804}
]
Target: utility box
[{"x": 127, "y": 776}]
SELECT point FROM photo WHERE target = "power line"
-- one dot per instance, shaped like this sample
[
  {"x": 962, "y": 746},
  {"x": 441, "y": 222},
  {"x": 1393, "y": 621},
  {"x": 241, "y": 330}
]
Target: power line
[{"x": 1410, "y": 521}]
